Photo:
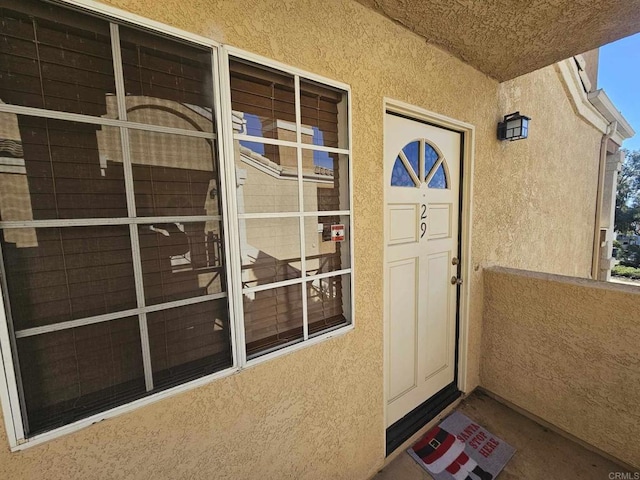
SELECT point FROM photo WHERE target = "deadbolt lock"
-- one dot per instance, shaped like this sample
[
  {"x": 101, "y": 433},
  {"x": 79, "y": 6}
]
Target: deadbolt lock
[
  {"x": 456, "y": 281},
  {"x": 455, "y": 261}
]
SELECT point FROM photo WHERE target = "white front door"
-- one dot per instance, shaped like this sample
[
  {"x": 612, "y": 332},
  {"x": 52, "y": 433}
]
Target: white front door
[{"x": 422, "y": 190}]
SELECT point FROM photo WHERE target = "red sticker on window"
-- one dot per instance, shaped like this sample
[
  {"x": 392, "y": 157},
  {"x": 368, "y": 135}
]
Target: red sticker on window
[{"x": 337, "y": 233}]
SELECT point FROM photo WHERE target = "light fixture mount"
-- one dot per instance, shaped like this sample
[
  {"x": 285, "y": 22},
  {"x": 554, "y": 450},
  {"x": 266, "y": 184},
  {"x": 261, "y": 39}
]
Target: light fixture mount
[{"x": 513, "y": 127}]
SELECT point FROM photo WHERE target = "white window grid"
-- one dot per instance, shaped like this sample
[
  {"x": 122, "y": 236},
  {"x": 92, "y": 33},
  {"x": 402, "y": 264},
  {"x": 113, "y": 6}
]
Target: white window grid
[
  {"x": 301, "y": 214},
  {"x": 10, "y": 399},
  {"x": 132, "y": 221}
]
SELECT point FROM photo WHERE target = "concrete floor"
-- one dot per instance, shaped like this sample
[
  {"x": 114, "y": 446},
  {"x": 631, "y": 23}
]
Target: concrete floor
[{"x": 541, "y": 454}]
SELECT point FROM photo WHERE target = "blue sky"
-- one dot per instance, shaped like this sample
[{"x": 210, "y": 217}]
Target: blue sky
[
  {"x": 619, "y": 75},
  {"x": 254, "y": 127}
]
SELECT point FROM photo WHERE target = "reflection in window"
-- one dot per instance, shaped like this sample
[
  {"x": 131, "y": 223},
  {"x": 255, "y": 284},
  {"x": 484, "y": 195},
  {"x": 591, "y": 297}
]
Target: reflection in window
[
  {"x": 325, "y": 181},
  {"x": 430, "y": 158},
  {"x": 58, "y": 62},
  {"x": 181, "y": 260},
  {"x": 167, "y": 82},
  {"x": 439, "y": 179},
  {"x": 412, "y": 153},
  {"x": 55, "y": 170},
  {"x": 272, "y": 318},
  {"x": 173, "y": 175},
  {"x": 204, "y": 327},
  {"x": 409, "y": 162},
  {"x": 328, "y": 303},
  {"x": 73, "y": 373},
  {"x": 323, "y": 253},
  {"x": 400, "y": 175},
  {"x": 269, "y": 180},
  {"x": 270, "y": 250},
  {"x": 263, "y": 100},
  {"x": 142, "y": 262},
  {"x": 67, "y": 273},
  {"x": 324, "y": 110}
]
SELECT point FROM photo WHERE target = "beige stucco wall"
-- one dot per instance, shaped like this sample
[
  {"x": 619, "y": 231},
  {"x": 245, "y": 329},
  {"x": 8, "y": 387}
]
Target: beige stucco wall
[
  {"x": 318, "y": 412},
  {"x": 566, "y": 350},
  {"x": 534, "y": 200}
]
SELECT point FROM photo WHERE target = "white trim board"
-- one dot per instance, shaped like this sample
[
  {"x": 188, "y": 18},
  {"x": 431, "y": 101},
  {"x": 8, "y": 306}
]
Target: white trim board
[
  {"x": 605, "y": 106},
  {"x": 595, "y": 108},
  {"x": 92, "y": 7},
  {"x": 568, "y": 73}
]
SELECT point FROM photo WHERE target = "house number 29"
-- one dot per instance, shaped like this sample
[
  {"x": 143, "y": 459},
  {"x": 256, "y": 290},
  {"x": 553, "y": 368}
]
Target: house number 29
[{"x": 423, "y": 217}]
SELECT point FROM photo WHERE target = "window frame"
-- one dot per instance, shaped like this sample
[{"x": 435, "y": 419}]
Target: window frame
[
  {"x": 10, "y": 399},
  {"x": 227, "y": 139}
]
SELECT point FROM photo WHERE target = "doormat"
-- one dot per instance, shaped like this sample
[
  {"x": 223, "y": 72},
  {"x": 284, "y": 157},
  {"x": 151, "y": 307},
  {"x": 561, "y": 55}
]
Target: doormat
[{"x": 460, "y": 449}]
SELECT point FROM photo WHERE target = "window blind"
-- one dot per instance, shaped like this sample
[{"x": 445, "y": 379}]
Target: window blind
[
  {"x": 73, "y": 373},
  {"x": 55, "y": 60},
  {"x": 264, "y": 97},
  {"x": 266, "y": 94},
  {"x": 164, "y": 69},
  {"x": 61, "y": 60},
  {"x": 112, "y": 237}
]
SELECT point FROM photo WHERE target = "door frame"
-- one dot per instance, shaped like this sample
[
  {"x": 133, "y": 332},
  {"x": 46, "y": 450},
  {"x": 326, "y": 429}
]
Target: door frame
[{"x": 467, "y": 150}]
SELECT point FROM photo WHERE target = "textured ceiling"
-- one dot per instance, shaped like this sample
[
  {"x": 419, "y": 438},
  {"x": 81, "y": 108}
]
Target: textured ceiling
[{"x": 508, "y": 38}]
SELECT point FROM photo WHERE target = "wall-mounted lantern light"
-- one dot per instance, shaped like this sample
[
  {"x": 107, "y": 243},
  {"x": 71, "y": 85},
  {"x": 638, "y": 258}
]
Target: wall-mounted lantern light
[{"x": 513, "y": 127}]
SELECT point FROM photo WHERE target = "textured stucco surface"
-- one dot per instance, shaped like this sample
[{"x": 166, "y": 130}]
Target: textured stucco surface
[
  {"x": 535, "y": 199},
  {"x": 566, "y": 350},
  {"x": 505, "y": 39},
  {"x": 318, "y": 412}
]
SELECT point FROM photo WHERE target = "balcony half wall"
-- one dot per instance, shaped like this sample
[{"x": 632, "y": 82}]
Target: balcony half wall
[
  {"x": 507, "y": 38},
  {"x": 566, "y": 350}
]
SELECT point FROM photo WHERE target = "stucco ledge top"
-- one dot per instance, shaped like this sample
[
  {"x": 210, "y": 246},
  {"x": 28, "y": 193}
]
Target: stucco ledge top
[{"x": 567, "y": 280}]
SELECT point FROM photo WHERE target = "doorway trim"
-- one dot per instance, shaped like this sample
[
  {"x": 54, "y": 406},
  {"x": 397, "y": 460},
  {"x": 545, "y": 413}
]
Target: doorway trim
[{"x": 467, "y": 132}]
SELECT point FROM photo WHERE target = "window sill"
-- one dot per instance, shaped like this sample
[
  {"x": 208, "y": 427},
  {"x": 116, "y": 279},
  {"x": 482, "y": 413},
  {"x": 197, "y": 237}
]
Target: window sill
[{"x": 185, "y": 387}]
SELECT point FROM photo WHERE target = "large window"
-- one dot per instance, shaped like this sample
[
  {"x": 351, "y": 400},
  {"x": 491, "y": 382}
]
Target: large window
[{"x": 120, "y": 229}]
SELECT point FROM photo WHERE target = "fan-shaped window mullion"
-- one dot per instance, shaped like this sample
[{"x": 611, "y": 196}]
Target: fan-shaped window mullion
[
  {"x": 400, "y": 176},
  {"x": 438, "y": 177},
  {"x": 433, "y": 170},
  {"x": 422, "y": 171},
  {"x": 409, "y": 168}
]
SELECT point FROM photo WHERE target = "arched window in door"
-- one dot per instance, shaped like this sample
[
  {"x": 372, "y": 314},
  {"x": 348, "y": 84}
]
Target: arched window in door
[{"x": 419, "y": 162}]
